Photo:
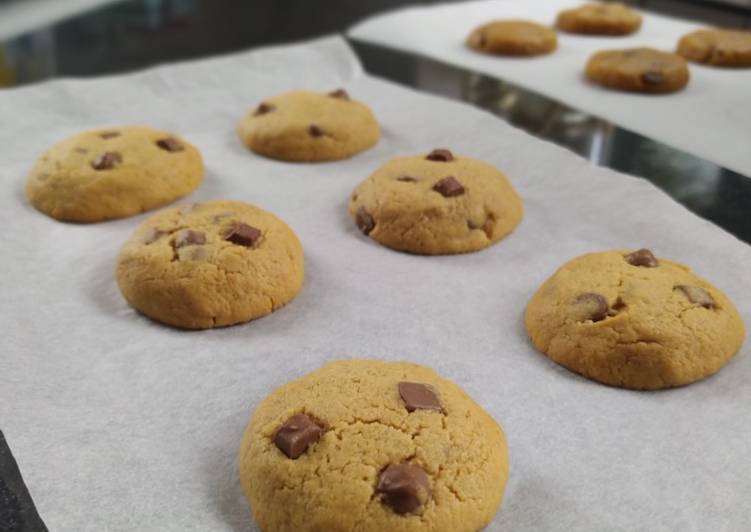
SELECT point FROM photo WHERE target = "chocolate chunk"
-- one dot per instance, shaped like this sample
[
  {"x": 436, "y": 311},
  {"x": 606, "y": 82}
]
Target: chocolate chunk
[
  {"x": 449, "y": 187},
  {"x": 170, "y": 144},
  {"x": 593, "y": 306},
  {"x": 652, "y": 77},
  {"x": 364, "y": 220},
  {"x": 109, "y": 134},
  {"x": 80, "y": 150},
  {"x": 440, "y": 154},
  {"x": 417, "y": 396},
  {"x": 698, "y": 295},
  {"x": 642, "y": 257},
  {"x": 153, "y": 235},
  {"x": 243, "y": 234},
  {"x": 264, "y": 108},
  {"x": 188, "y": 237},
  {"x": 339, "y": 93},
  {"x": 296, "y": 434},
  {"x": 107, "y": 161},
  {"x": 404, "y": 487},
  {"x": 315, "y": 131},
  {"x": 482, "y": 40},
  {"x": 407, "y": 179}
]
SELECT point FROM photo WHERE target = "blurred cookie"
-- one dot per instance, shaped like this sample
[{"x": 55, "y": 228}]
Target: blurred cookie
[
  {"x": 307, "y": 126},
  {"x": 210, "y": 264},
  {"x": 728, "y": 48},
  {"x": 638, "y": 70},
  {"x": 599, "y": 19},
  {"x": 371, "y": 446},
  {"x": 435, "y": 204},
  {"x": 513, "y": 37},
  {"x": 630, "y": 319},
  {"x": 113, "y": 173}
]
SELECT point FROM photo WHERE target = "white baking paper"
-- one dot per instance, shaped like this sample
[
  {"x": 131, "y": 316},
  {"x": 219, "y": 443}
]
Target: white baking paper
[
  {"x": 710, "y": 118},
  {"x": 119, "y": 423}
]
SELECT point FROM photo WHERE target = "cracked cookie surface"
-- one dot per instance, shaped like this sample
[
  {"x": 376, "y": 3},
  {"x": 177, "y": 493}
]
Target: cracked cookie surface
[
  {"x": 513, "y": 37},
  {"x": 304, "y": 126},
  {"x": 630, "y": 319},
  {"x": 113, "y": 172},
  {"x": 638, "y": 70},
  {"x": 210, "y": 264},
  {"x": 399, "y": 449},
  {"x": 437, "y": 203},
  {"x": 727, "y": 48},
  {"x": 599, "y": 19}
]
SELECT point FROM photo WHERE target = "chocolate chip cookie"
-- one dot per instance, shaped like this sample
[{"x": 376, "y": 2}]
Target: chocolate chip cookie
[
  {"x": 113, "y": 173},
  {"x": 305, "y": 126},
  {"x": 513, "y": 37},
  {"x": 628, "y": 318},
  {"x": 726, "y": 48},
  {"x": 599, "y": 19},
  {"x": 210, "y": 264},
  {"x": 639, "y": 70},
  {"x": 436, "y": 203},
  {"x": 364, "y": 445}
]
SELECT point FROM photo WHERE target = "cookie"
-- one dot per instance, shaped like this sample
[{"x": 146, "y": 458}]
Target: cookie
[
  {"x": 599, "y": 19},
  {"x": 727, "y": 48},
  {"x": 365, "y": 445},
  {"x": 630, "y": 319},
  {"x": 638, "y": 70},
  {"x": 210, "y": 264},
  {"x": 513, "y": 37},
  {"x": 113, "y": 173},
  {"x": 304, "y": 126},
  {"x": 435, "y": 204}
]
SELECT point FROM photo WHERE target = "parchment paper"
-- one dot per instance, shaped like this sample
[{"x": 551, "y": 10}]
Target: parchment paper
[
  {"x": 119, "y": 423},
  {"x": 710, "y": 118}
]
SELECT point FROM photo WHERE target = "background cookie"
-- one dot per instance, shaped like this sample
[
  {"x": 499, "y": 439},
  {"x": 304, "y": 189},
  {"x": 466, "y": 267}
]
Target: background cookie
[
  {"x": 364, "y": 445},
  {"x": 113, "y": 173},
  {"x": 436, "y": 203},
  {"x": 639, "y": 70},
  {"x": 513, "y": 37},
  {"x": 309, "y": 126},
  {"x": 210, "y": 264},
  {"x": 630, "y": 319},
  {"x": 728, "y": 48},
  {"x": 599, "y": 19}
]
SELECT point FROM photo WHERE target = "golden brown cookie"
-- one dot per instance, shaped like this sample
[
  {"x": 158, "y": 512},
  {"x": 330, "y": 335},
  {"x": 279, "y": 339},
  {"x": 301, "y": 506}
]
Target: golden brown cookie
[
  {"x": 436, "y": 203},
  {"x": 630, "y": 319},
  {"x": 638, "y": 70},
  {"x": 727, "y": 48},
  {"x": 513, "y": 37},
  {"x": 210, "y": 264},
  {"x": 599, "y": 19},
  {"x": 113, "y": 173},
  {"x": 303, "y": 126},
  {"x": 371, "y": 446}
]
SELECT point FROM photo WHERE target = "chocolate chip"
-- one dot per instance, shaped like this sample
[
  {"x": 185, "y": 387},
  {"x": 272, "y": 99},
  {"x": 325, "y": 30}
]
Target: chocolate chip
[
  {"x": 315, "y": 131},
  {"x": 153, "y": 235},
  {"x": 170, "y": 144},
  {"x": 296, "y": 434},
  {"x": 642, "y": 257},
  {"x": 440, "y": 154},
  {"x": 698, "y": 295},
  {"x": 188, "y": 237},
  {"x": 593, "y": 306},
  {"x": 243, "y": 234},
  {"x": 407, "y": 179},
  {"x": 482, "y": 40},
  {"x": 339, "y": 93},
  {"x": 364, "y": 220},
  {"x": 81, "y": 150},
  {"x": 107, "y": 161},
  {"x": 404, "y": 487},
  {"x": 109, "y": 134},
  {"x": 264, "y": 108},
  {"x": 449, "y": 187},
  {"x": 417, "y": 396},
  {"x": 652, "y": 77}
]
